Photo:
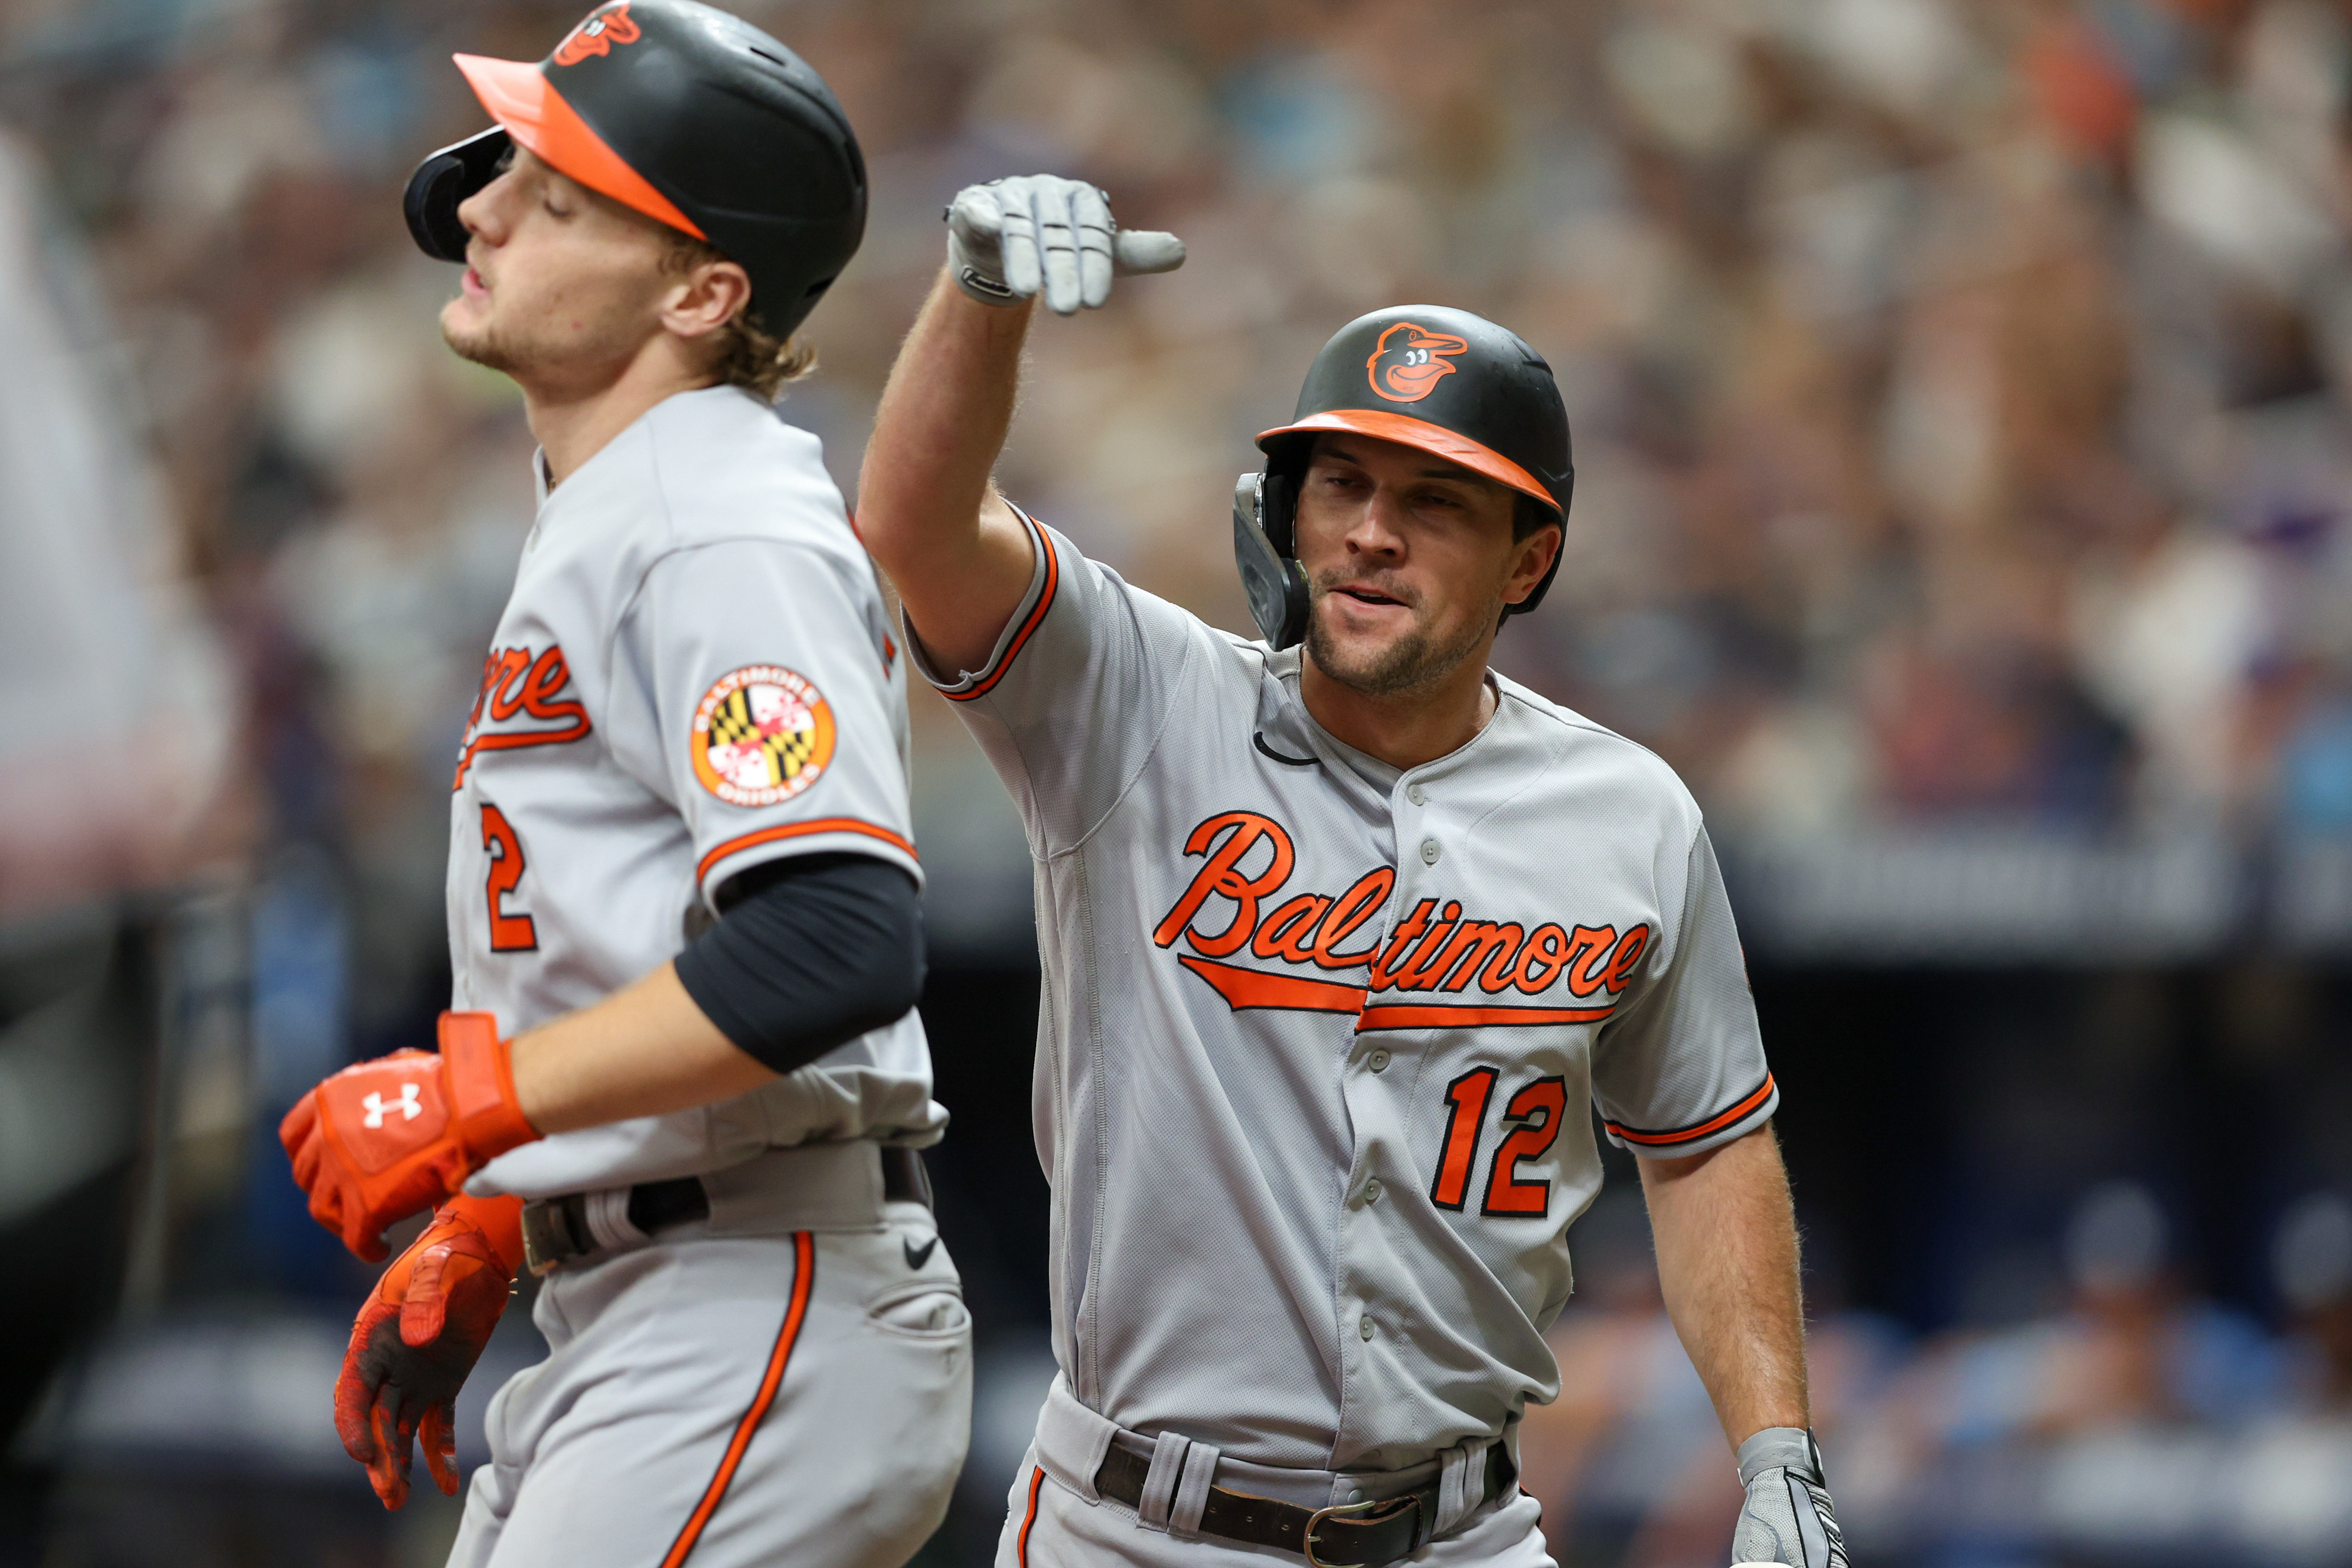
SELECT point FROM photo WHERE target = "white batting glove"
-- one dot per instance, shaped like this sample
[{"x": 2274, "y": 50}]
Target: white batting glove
[
  {"x": 1788, "y": 1518},
  {"x": 1014, "y": 239}
]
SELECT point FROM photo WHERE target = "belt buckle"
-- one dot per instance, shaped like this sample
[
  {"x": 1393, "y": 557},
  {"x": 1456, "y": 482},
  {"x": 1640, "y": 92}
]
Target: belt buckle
[
  {"x": 544, "y": 1237},
  {"x": 1306, "y": 1540}
]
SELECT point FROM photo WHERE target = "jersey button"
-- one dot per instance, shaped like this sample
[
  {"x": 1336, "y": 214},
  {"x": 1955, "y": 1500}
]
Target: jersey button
[
  {"x": 1378, "y": 1061},
  {"x": 1373, "y": 1190},
  {"x": 1429, "y": 851},
  {"x": 1413, "y": 794},
  {"x": 1364, "y": 1326}
]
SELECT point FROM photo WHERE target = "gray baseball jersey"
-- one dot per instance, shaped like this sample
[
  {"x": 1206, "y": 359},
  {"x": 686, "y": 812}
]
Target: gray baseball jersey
[
  {"x": 1318, "y": 1036},
  {"x": 695, "y": 675}
]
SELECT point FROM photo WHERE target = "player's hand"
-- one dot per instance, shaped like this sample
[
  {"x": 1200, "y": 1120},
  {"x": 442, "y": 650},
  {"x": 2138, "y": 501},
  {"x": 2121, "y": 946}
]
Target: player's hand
[
  {"x": 417, "y": 1336},
  {"x": 1011, "y": 240},
  {"x": 392, "y": 1137},
  {"x": 1788, "y": 1518}
]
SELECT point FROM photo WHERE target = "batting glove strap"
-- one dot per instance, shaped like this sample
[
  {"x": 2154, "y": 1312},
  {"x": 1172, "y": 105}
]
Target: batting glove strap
[
  {"x": 489, "y": 1119},
  {"x": 977, "y": 251},
  {"x": 389, "y": 1138},
  {"x": 1788, "y": 1518}
]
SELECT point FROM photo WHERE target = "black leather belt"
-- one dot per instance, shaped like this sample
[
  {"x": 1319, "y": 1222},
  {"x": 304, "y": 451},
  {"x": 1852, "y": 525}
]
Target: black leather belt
[
  {"x": 1351, "y": 1535},
  {"x": 555, "y": 1231}
]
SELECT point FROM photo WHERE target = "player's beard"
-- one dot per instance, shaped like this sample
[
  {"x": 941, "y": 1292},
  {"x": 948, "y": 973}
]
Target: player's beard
[
  {"x": 545, "y": 361},
  {"x": 487, "y": 347},
  {"x": 1410, "y": 662}
]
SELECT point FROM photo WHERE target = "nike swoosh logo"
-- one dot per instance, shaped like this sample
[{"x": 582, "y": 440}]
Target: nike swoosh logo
[{"x": 917, "y": 1256}]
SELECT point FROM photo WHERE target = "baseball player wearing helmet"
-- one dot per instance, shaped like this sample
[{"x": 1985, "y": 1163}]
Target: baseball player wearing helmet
[
  {"x": 680, "y": 1079},
  {"x": 1342, "y": 931}
]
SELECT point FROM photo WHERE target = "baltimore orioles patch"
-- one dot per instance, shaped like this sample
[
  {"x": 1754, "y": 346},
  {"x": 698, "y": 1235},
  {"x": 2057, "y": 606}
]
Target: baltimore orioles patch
[
  {"x": 761, "y": 734},
  {"x": 1408, "y": 361}
]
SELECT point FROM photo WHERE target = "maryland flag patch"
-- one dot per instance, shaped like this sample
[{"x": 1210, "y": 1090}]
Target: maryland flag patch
[{"x": 761, "y": 734}]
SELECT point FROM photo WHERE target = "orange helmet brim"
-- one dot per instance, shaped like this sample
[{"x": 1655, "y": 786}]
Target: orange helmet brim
[
  {"x": 1434, "y": 439},
  {"x": 519, "y": 98}
]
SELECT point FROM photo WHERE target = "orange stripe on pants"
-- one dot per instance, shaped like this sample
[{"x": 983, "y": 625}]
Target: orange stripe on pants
[{"x": 803, "y": 1278}]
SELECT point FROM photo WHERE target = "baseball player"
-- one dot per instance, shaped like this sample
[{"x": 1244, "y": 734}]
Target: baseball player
[
  {"x": 1341, "y": 933},
  {"x": 680, "y": 1079}
]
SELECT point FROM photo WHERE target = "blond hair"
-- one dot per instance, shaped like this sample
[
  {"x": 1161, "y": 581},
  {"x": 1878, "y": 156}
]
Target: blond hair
[{"x": 747, "y": 355}]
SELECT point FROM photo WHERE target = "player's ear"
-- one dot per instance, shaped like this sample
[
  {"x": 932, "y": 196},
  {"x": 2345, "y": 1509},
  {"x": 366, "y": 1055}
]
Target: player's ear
[
  {"x": 706, "y": 299},
  {"x": 1530, "y": 558}
]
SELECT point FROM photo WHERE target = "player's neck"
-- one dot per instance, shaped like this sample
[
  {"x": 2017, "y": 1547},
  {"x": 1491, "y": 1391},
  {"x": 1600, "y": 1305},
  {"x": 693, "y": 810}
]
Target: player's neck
[
  {"x": 574, "y": 419},
  {"x": 1406, "y": 728}
]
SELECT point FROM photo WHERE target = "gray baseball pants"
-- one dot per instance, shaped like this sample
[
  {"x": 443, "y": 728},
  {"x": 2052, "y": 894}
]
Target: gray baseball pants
[{"x": 727, "y": 1401}]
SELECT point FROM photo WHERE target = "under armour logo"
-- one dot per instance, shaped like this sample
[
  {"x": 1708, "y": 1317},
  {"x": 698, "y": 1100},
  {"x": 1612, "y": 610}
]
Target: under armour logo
[{"x": 377, "y": 1107}]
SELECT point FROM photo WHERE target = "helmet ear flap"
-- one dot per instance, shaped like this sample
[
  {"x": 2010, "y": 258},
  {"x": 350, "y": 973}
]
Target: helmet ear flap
[
  {"x": 441, "y": 182},
  {"x": 1265, "y": 512}
]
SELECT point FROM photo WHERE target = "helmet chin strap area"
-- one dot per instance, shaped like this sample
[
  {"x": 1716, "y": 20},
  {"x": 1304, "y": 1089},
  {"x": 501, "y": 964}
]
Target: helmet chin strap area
[{"x": 1265, "y": 510}]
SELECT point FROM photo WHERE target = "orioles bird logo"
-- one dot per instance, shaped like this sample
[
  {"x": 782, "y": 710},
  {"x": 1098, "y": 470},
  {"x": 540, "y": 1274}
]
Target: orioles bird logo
[
  {"x": 597, "y": 35},
  {"x": 1408, "y": 361}
]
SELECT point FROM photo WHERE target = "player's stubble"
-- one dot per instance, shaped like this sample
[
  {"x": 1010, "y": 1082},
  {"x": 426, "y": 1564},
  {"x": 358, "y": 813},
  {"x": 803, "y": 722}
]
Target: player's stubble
[
  {"x": 562, "y": 332},
  {"x": 534, "y": 356},
  {"x": 485, "y": 345},
  {"x": 1407, "y": 663}
]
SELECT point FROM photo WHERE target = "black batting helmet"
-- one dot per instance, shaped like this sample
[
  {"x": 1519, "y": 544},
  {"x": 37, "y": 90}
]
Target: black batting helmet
[
  {"x": 690, "y": 116},
  {"x": 1454, "y": 384}
]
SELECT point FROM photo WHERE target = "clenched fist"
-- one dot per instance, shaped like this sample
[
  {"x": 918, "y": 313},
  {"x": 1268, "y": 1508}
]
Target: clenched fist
[{"x": 392, "y": 1137}]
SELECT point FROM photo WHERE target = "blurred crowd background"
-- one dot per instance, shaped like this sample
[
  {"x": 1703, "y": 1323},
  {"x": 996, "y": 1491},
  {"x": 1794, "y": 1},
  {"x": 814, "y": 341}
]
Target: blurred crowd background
[{"x": 1961, "y": 393}]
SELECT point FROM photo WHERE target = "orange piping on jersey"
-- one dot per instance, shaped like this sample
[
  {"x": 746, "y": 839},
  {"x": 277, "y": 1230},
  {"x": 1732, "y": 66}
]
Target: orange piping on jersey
[
  {"x": 1745, "y": 1108},
  {"x": 799, "y": 830},
  {"x": 804, "y": 1278},
  {"x": 1392, "y": 1017},
  {"x": 1256, "y": 988},
  {"x": 1036, "y": 614},
  {"x": 1029, "y": 1520}
]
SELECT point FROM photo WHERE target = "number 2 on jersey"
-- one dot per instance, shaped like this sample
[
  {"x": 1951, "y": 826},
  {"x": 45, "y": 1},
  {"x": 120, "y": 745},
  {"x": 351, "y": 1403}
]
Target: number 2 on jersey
[
  {"x": 1537, "y": 1110},
  {"x": 1546, "y": 1097},
  {"x": 509, "y": 932}
]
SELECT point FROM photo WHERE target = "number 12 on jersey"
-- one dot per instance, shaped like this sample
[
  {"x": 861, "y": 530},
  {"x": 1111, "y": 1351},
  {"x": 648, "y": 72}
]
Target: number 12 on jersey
[{"x": 1533, "y": 1115}]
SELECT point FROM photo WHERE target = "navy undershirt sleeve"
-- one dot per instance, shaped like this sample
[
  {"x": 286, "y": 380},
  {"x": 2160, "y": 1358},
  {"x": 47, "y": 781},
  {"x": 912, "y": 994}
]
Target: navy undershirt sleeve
[{"x": 809, "y": 952}]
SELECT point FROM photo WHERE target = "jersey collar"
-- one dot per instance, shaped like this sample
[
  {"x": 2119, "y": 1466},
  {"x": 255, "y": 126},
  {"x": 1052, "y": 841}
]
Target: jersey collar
[{"x": 1284, "y": 666}]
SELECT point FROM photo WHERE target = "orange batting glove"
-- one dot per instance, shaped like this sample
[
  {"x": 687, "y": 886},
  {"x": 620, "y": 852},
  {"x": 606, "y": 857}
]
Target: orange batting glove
[
  {"x": 417, "y": 1336},
  {"x": 390, "y": 1138}
]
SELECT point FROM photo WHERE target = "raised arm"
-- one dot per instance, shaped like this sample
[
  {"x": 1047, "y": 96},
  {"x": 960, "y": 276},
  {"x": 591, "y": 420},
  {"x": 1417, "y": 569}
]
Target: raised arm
[{"x": 958, "y": 556}]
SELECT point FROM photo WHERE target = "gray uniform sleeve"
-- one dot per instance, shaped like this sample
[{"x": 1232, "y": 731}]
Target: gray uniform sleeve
[
  {"x": 1681, "y": 1066},
  {"x": 1073, "y": 699},
  {"x": 762, "y": 668}
]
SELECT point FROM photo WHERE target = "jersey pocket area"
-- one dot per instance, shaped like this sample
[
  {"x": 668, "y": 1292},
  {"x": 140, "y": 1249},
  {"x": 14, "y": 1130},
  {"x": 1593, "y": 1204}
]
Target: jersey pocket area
[{"x": 920, "y": 1310}]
